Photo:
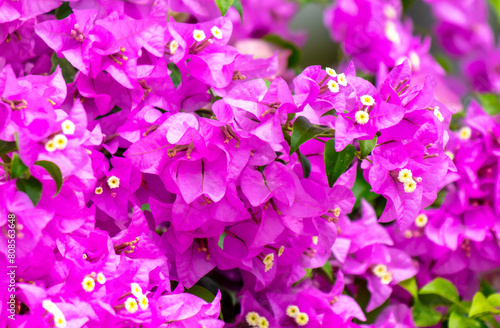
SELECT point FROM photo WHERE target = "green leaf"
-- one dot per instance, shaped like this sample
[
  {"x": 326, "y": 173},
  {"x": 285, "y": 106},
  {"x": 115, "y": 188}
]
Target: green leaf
[
  {"x": 306, "y": 164},
  {"x": 491, "y": 320},
  {"x": 366, "y": 146},
  {"x": 224, "y": 5},
  {"x": 68, "y": 71},
  {"x": 175, "y": 74},
  {"x": 425, "y": 316},
  {"x": 221, "y": 240},
  {"x": 457, "y": 320},
  {"x": 63, "y": 11},
  {"x": 115, "y": 110},
  {"x": 32, "y": 187},
  {"x": 331, "y": 112},
  {"x": 494, "y": 300},
  {"x": 302, "y": 131},
  {"x": 407, "y": 4},
  {"x": 443, "y": 288},
  {"x": 496, "y": 7},
  {"x": 480, "y": 306},
  {"x": 201, "y": 292},
  {"x": 328, "y": 270},
  {"x": 237, "y": 5},
  {"x": 17, "y": 167},
  {"x": 294, "y": 59},
  {"x": 145, "y": 207},
  {"x": 54, "y": 172},
  {"x": 490, "y": 103},
  {"x": 445, "y": 62},
  {"x": 7, "y": 147},
  {"x": 337, "y": 162},
  {"x": 411, "y": 286}
]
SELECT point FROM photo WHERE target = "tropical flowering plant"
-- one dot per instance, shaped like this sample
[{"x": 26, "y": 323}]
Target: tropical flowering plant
[{"x": 173, "y": 163}]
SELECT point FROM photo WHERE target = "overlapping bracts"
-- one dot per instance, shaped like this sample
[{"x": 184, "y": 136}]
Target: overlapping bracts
[{"x": 147, "y": 158}]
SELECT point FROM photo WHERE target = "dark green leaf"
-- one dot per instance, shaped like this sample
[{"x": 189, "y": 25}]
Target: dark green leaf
[
  {"x": 306, "y": 164},
  {"x": 490, "y": 103},
  {"x": 328, "y": 270},
  {"x": 68, "y": 71},
  {"x": 337, "y": 162},
  {"x": 294, "y": 59},
  {"x": 54, "y": 172},
  {"x": 32, "y": 187},
  {"x": 224, "y": 5},
  {"x": 17, "y": 167},
  {"x": 201, "y": 292},
  {"x": 175, "y": 74},
  {"x": 7, "y": 147},
  {"x": 424, "y": 315},
  {"x": 115, "y": 110},
  {"x": 331, "y": 112},
  {"x": 481, "y": 306},
  {"x": 407, "y": 4},
  {"x": 411, "y": 286},
  {"x": 443, "y": 288},
  {"x": 496, "y": 7},
  {"x": 237, "y": 5},
  {"x": 63, "y": 11},
  {"x": 445, "y": 62},
  {"x": 366, "y": 146},
  {"x": 302, "y": 131},
  {"x": 145, "y": 207}
]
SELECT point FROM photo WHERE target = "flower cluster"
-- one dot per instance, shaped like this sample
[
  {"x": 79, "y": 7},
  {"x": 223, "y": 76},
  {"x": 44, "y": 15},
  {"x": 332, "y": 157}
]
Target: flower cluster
[{"x": 166, "y": 167}]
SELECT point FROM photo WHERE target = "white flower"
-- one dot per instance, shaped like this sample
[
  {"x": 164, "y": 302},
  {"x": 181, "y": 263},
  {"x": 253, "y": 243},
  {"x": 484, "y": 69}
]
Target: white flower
[
  {"x": 331, "y": 72},
  {"x": 367, "y": 100},
  {"x": 391, "y": 33},
  {"x": 50, "y": 146},
  {"x": 88, "y": 284},
  {"x": 174, "y": 45},
  {"x": 101, "y": 278},
  {"x": 252, "y": 318},
  {"x": 292, "y": 311},
  {"x": 465, "y": 133},
  {"x": 131, "y": 305},
  {"x": 199, "y": 35},
  {"x": 136, "y": 289},
  {"x": 263, "y": 323},
  {"x": 414, "y": 61},
  {"x": 143, "y": 302},
  {"x": 342, "y": 80},
  {"x": 410, "y": 186},
  {"x": 379, "y": 270},
  {"x": 216, "y": 32},
  {"x": 68, "y": 127},
  {"x": 269, "y": 258},
  {"x": 362, "y": 117},
  {"x": 60, "y": 320},
  {"x": 302, "y": 319},
  {"x": 405, "y": 175},
  {"x": 333, "y": 86},
  {"x": 421, "y": 220},
  {"x": 386, "y": 279},
  {"x": 390, "y": 12},
  {"x": 60, "y": 141},
  {"x": 438, "y": 114},
  {"x": 113, "y": 182}
]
